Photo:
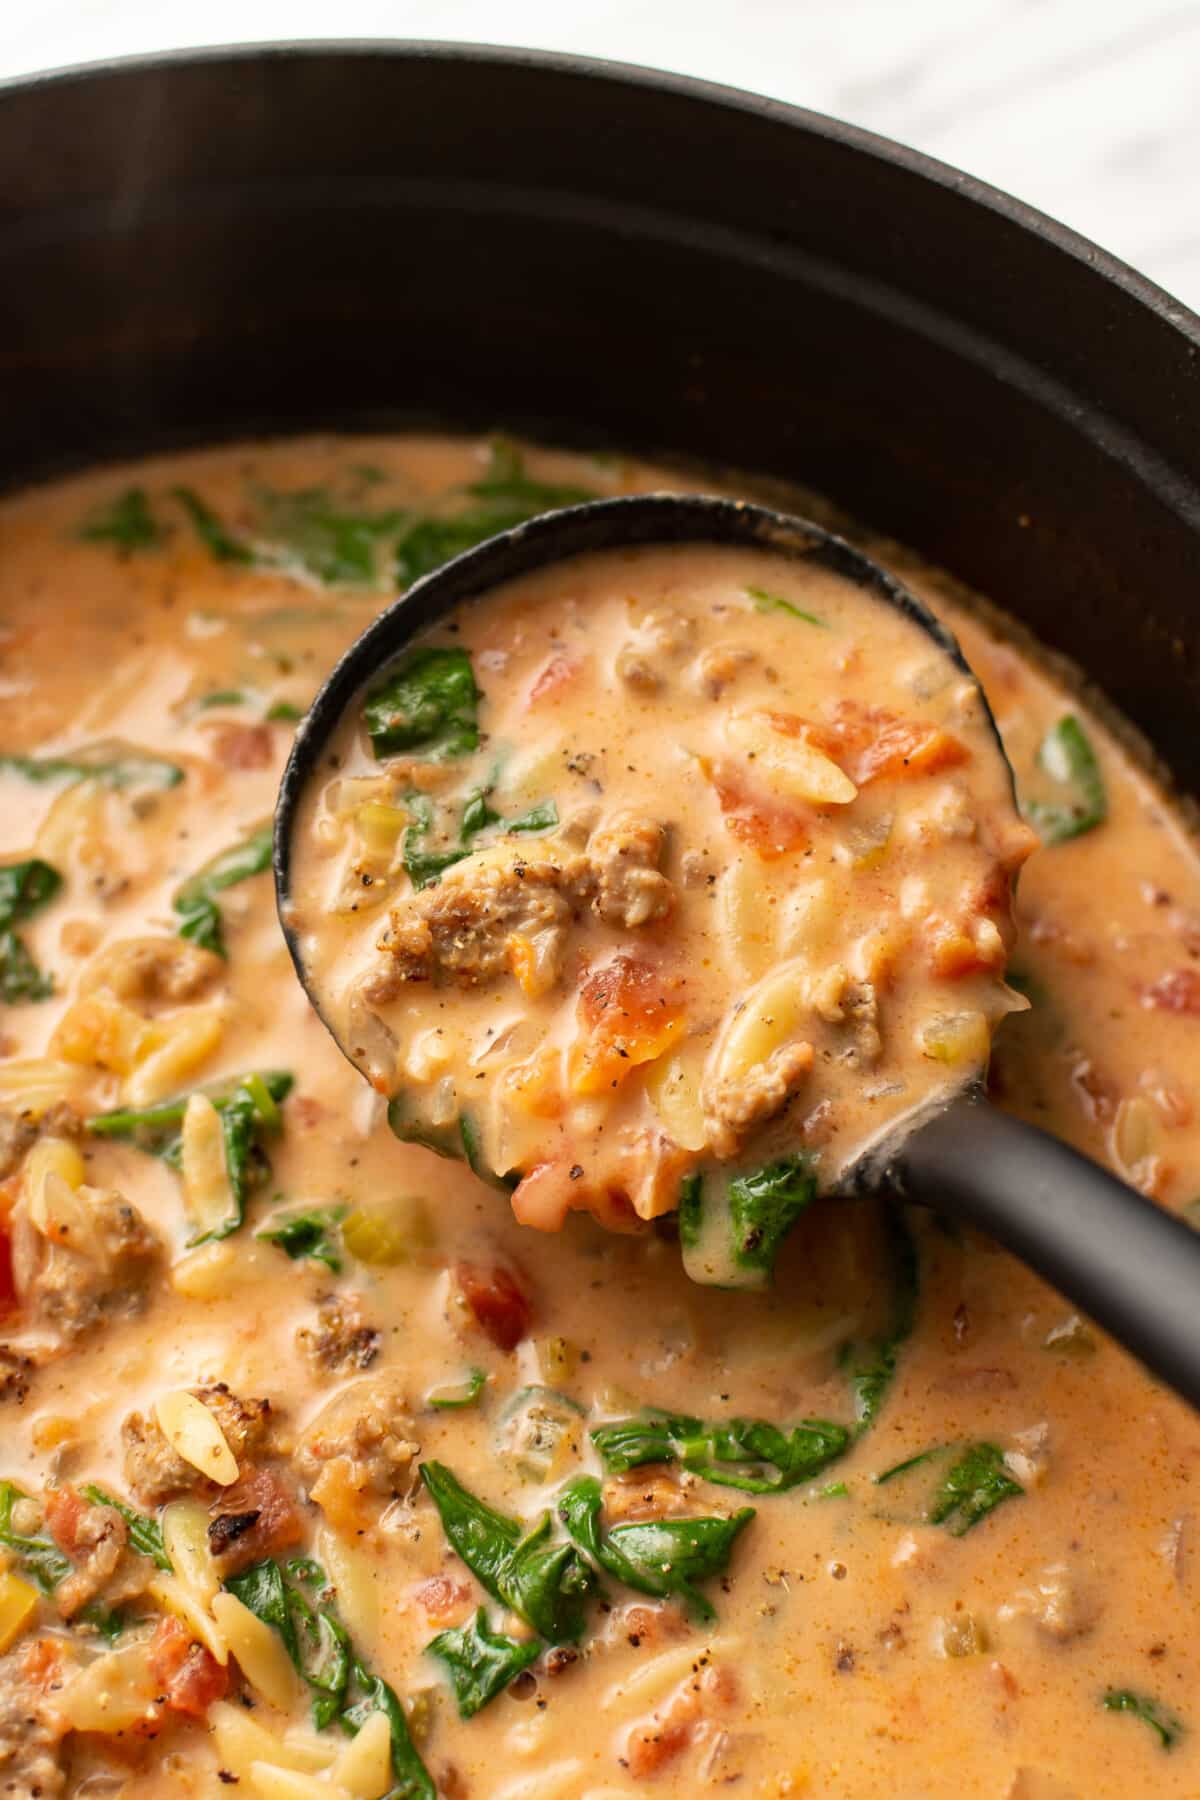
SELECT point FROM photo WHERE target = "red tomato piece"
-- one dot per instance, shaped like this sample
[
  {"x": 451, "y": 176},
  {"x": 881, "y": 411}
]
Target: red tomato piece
[
  {"x": 554, "y": 676},
  {"x": 500, "y": 1307},
  {"x": 65, "y": 1512},
  {"x": 190, "y": 1676},
  {"x": 631, "y": 1013},
  {"x": 1178, "y": 991}
]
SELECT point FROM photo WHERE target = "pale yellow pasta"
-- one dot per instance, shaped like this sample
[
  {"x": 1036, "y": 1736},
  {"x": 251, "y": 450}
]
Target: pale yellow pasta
[
  {"x": 208, "y": 1272},
  {"x": 657, "y": 1674},
  {"x": 259, "y": 1651},
  {"x": 364, "y": 1768},
  {"x": 18, "y": 1606},
  {"x": 112, "y": 1695},
  {"x": 208, "y": 1196},
  {"x": 193, "y": 1431},
  {"x": 179, "y": 1598},
  {"x": 747, "y": 926},
  {"x": 789, "y": 765},
  {"x": 32, "y": 1084},
  {"x": 241, "y": 1740},
  {"x": 185, "y": 1539},
  {"x": 172, "y": 1051},
  {"x": 771, "y": 1014}
]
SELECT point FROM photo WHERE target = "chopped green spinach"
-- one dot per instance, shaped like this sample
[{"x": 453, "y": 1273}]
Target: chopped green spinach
[
  {"x": 1164, "y": 1725},
  {"x": 977, "y": 1483},
  {"x": 195, "y": 902},
  {"x": 309, "y": 1233},
  {"x": 662, "y": 1557},
  {"x": 249, "y": 1109},
  {"x": 217, "y": 540},
  {"x": 113, "y": 765},
  {"x": 38, "y": 1555},
  {"x": 126, "y": 522},
  {"x": 767, "y": 602},
  {"x": 1066, "y": 755},
  {"x": 145, "y": 1533},
  {"x": 25, "y": 887},
  {"x": 481, "y": 1662},
  {"x": 750, "y": 1454},
  {"x": 454, "y": 1399},
  {"x": 310, "y": 532},
  {"x": 546, "y": 1584},
  {"x": 428, "y": 703},
  {"x": 345, "y": 1691},
  {"x": 425, "y": 864}
]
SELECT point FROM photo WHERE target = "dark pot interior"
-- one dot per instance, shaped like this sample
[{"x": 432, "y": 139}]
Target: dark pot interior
[{"x": 277, "y": 239}]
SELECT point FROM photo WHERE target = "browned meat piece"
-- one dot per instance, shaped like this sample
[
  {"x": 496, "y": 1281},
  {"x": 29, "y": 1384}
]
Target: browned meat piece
[
  {"x": 157, "y": 1473},
  {"x": 31, "y": 1766},
  {"x": 15, "y": 1372},
  {"x": 627, "y": 888},
  {"x": 341, "y": 1338},
  {"x": 462, "y": 928},
  {"x": 257, "y": 1517},
  {"x": 509, "y": 909},
  {"x": 96, "y": 1540},
  {"x": 148, "y": 971},
  {"x": 20, "y": 1130},
  {"x": 90, "y": 1258},
  {"x": 358, "y": 1453},
  {"x": 734, "y": 1106}
]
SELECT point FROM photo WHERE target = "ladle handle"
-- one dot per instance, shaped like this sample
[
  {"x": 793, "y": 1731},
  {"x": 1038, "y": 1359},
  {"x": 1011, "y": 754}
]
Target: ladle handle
[{"x": 1129, "y": 1265}]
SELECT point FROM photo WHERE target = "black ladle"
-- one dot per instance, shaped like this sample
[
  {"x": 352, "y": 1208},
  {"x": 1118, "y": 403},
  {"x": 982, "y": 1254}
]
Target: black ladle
[{"x": 1132, "y": 1267}]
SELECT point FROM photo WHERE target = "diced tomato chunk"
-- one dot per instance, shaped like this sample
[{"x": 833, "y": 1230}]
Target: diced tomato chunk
[
  {"x": 443, "y": 1601},
  {"x": 500, "y": 1307},
  {"x": 868, "y": 741},
  {"x": 631, "y": 1013},
  {"x": 191, "y": 1678},
  {"x": 65, "y": 1513},
  {"x": 1178, "y": 991},
  {"x": 768, "y": 826},
  {"x": 258, "y": 1518},
  {"x": 553, "y": 677}
]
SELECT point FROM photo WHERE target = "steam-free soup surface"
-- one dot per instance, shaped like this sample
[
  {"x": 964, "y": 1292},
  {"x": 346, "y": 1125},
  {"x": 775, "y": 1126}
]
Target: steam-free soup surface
[{"x": 322, "y": 1372}]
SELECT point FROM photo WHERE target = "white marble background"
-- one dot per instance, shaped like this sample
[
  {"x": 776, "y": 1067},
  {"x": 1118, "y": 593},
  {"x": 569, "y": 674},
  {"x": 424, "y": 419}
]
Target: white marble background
[{"x": 1088, "y": 108}]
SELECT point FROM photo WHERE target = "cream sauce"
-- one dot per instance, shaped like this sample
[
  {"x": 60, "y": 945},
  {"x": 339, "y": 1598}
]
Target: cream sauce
[{"x": 858, "y": 1649}]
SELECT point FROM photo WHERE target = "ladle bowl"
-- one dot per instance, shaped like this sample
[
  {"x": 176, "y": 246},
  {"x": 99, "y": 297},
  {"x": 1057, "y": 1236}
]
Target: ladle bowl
[{"x": 1132, "y": 1266}]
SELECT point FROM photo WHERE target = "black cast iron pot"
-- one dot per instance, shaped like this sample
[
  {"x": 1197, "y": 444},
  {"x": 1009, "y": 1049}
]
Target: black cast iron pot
[{"x": 273, "y": 239}]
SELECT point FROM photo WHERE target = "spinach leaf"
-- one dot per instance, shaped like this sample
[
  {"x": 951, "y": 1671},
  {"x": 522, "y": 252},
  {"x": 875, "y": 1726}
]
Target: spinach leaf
[
  {"x": 249, "y": 1109},
  {"x": 765, "y": 602},
  {"x": 219, "y": 542},
  {"x": 113, "y": 765},
  {"x": 873, "y": 1370},
  {"x": 346, "y": 1693},
  {"x": 506, "y": 480},
  {"x": 662, "y": 1557},
  {"x": 749, "y": 1454},
  {"x": 412, "y": 1781},
  {"x": 1165, "y": 1726},
  {"x": 263, "y": 1591},
  {"x": 505, "y": 496},
  {"x": 546, "y": 1584},
  {"x": 481, "y": 1662},
  {"x": 1067, "y": 757},
  {"x": 310, "y": 531},
  {"x": 542, "y": 817},
  {"x": 454, "y": 1399},
  {"x": 312, "y": 1234},
  {"x": 423, "y": 865},
  {"x": 903, "y": 1468},
  {"x": 764, "y": 1205},
  {"x": 20, "y": 977},
  {"x": 974, "y": 1487},
  {"x": 39, "y": 1556},
  {"x": 126, "y": 522},
  {"x": 25, "y": 887},
  {"x": 145, "y": 1533},
  {"x": 283, "y": 712},
  {"x": 155, "y": 1129},
  {"x": 429, "y": 703},
  {"x": 195, "y": 902}
]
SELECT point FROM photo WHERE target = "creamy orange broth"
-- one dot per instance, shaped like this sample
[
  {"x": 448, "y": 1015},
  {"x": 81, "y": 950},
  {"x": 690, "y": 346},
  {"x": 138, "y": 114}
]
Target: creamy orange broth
[
  {"x": 858, "y": 1648},
  {"x": 767, "y": 902}
]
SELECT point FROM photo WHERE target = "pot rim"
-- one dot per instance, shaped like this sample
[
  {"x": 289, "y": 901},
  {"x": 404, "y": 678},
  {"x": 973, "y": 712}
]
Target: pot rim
[{"x": 1062, "y": 238}]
